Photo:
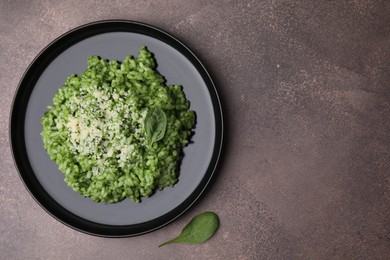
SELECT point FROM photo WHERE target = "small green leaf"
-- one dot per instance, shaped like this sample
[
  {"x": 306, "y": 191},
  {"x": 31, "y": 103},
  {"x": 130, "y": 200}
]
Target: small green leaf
[
  {"x": 198, "y": 230},
  {"x": 155, "y": 124}
]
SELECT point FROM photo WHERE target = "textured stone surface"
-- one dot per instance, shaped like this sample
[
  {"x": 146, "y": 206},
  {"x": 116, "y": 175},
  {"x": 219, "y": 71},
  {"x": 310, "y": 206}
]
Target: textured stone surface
[{"x": 305, "y": 87}]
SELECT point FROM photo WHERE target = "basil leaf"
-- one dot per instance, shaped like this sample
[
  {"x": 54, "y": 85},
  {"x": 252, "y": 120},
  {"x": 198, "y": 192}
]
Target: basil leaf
[
  {"x": 155, "y": 124},
  {"x": 198, "y": 230}
]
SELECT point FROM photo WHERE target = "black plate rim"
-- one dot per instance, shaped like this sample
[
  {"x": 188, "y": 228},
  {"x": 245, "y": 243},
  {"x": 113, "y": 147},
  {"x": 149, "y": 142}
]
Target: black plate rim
[{"x": 19, "y": 153}]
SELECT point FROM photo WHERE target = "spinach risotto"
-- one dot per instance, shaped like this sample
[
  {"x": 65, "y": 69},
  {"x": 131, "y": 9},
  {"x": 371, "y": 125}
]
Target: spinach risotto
[{"x": 117, "y": 130}]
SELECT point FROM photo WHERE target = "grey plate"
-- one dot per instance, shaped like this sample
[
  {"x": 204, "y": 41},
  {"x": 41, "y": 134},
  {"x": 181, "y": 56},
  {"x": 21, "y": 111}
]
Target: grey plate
[{"x": 67, "y": 55}]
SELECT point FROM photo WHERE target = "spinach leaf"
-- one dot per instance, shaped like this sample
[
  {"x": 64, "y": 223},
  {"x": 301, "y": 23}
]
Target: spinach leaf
[
  {"x": 198, "y": 230},
  {"x": 155, "y": 124}
]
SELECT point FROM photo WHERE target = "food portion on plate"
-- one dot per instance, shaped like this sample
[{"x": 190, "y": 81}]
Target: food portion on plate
[{"x": 117, "y": 130}]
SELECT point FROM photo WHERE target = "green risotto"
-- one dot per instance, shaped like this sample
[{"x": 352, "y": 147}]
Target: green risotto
[{"x": 117, "y": 130}]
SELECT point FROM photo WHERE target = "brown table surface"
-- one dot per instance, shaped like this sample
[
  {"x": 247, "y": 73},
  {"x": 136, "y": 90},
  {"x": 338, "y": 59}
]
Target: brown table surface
[{"x": 306, "y": 95}]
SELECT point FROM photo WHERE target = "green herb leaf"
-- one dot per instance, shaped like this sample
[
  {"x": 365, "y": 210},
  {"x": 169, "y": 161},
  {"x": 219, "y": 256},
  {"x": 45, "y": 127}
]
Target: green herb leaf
[
  {"x": 198, "y": 230},
  {"x": 155, "y": 124}
]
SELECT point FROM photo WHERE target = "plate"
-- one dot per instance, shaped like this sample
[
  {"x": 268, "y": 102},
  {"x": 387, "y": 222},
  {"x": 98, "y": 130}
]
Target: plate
[{"x": 114, "y": 39}]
